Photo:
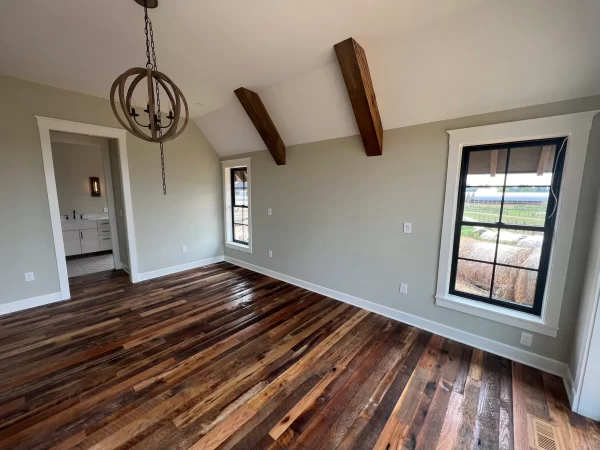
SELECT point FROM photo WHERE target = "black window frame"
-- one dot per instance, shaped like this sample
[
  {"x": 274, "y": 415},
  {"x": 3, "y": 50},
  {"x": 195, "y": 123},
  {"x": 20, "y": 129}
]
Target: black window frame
[
  {"x": 547, "y": 228},
  {"x": 234, "y": 205}
]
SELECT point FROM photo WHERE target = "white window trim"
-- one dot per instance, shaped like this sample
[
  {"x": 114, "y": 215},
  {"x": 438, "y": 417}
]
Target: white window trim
[
  {"x": 577, "y": 128},
  {"x": 228, "y": 233}
]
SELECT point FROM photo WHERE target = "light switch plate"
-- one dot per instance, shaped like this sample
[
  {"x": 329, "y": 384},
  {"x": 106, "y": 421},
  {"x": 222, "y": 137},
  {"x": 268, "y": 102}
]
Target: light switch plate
[
  {"x": 526, "y": 339},
  {"x": 29, "y": 276},
  {"x": 408, "y": 227},
  {"x": 403, "y": 288},
  {"x": 106, "y": 210},
  {"x": 184, "y": 248},
  {"x": 270, "y": 212},
  {"x": 270, "y": 253}
]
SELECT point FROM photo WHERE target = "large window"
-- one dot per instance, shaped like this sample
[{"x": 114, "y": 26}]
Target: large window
[
  {"x": 504, "y": 226},
  {"x": 509, "y": 219},
  {"x": 239, "y": 205}
]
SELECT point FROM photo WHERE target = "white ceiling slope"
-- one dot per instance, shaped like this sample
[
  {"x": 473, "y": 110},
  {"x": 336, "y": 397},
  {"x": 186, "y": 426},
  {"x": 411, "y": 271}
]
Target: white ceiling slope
[
  {"x": 429, "y": 59},
  {"x": 486, "y": 59}
]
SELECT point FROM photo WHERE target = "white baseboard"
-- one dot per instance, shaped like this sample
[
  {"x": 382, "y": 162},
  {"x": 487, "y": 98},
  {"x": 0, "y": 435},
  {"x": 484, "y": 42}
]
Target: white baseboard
[
  {"x": 174, "y": 269},
  {"x": 32, "y": 302},
  {"x": 126, "y": 267},
  {"x": 516, "y": 354}
]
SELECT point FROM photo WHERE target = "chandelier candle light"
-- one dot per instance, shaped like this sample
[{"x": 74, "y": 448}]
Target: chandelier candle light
[{"x": 154, "y": 130}]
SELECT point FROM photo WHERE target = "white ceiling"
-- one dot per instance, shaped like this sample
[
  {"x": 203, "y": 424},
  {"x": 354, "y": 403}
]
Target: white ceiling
[{"x": 429, "y": 59}]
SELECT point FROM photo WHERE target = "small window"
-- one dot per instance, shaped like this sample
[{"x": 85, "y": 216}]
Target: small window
[
  {"x": 239, "y": 205},
  {"x": 504, "y": 227}
]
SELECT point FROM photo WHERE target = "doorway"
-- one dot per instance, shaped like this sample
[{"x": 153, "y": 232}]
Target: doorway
[
  {"x": 88, "y": 202},
  {"x": 92, "y": 218}
]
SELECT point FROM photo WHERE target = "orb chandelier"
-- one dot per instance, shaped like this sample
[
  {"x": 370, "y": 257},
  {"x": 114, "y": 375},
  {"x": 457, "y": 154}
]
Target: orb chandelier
[{"x": 151, "y": 126}]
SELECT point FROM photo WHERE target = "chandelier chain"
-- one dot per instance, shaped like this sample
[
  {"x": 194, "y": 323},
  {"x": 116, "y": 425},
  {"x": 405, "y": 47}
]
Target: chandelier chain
[
  {"x": 146, "y": 30},
  {"x": 159, "y": 129},
  {"x": 151, "y": 63}
]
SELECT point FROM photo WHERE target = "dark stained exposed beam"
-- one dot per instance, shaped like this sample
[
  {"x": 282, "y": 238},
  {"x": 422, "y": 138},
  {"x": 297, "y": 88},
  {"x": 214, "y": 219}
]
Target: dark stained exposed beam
[
  {"x": 493, "y": 163},
  {"x": 262, "y": 122},
  {"x": 355, "y": 70},
  {"x": 543, "y": 162}
]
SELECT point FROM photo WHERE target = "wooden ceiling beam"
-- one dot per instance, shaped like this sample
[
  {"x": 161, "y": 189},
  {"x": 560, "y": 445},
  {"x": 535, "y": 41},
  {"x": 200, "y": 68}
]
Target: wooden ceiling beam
[
  {"x": 262, "y": 122},
  {"x": 355, "y": 70},
  {"x": 493, "y": 163},
  {"x": 544, "y": 156}
]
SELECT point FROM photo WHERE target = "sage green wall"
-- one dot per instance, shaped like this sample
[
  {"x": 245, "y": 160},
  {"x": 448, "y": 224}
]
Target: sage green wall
[
  {"x": 115, "y": 170},
  {"x": 584, "y": 243},
  {"x": 73, "y": 166},
  {"x": 335, "y": 211},
  {"x": 190, "y": 213}
]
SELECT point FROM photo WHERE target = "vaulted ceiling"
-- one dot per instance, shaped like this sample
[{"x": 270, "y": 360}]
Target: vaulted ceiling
[{"x": 429, "y": 59}]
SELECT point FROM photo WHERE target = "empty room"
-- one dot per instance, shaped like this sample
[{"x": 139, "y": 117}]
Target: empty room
[{"x": 300, "y": 225}]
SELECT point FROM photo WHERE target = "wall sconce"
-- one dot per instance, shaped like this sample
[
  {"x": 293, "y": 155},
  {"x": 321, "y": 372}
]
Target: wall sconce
[{"x": 95, "y": 186}]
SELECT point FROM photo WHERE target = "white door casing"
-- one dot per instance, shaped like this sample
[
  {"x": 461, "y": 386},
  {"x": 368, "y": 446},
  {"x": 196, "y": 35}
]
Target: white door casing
[{"x": 46, "y": 125}]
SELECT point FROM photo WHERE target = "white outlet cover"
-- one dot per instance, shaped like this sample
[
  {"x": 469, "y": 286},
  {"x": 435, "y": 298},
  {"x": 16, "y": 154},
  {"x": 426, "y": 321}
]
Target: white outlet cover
[
  {"x": 105, "y": 209},
  {"x": 526, "y": 339},
  {"x": 270, "y": 253},
  {"x": 408, "y": 227},
  {"x": 184, "y": 248},
  {"x": 403, "y": 288},
  {"x": 270, "y": 212},
  {"x": 29, "y": 276}
]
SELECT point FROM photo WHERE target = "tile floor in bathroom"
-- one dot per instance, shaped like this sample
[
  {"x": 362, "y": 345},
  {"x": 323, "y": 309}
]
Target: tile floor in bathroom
[{"x": 90, "y": 264}]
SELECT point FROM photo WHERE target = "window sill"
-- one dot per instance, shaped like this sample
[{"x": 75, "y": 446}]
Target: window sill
[
  {"x": 496, "y": 313},
  {"x": 239, "y": 247}
]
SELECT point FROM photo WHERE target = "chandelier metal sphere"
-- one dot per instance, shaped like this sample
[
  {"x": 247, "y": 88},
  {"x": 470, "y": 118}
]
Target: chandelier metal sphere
[{"x": 151, "y": 126}]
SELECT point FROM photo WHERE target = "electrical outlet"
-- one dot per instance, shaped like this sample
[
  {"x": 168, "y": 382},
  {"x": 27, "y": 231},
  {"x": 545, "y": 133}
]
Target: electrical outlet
[
  {"x": 105, "y": 209},
  {"x": 184, "y": 248},
  {"x": 526, "y": 339},
  {"x": 408, "y": 227},
  {"x": 403, "y": 288},
  {"x": 270, "y": 253},
  {"x": 29, "y": 276},
  {"x": 270, "y": 212}
]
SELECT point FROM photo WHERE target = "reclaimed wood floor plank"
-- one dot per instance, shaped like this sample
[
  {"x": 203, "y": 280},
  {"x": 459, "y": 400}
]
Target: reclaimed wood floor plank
[{"x": 222, "y": 357}]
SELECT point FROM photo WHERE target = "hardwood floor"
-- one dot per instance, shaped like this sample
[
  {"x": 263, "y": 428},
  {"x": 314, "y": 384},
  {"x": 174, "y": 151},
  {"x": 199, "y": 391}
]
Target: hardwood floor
[{"x": 221, "y": 357}]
